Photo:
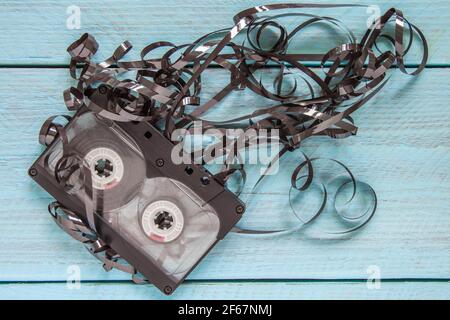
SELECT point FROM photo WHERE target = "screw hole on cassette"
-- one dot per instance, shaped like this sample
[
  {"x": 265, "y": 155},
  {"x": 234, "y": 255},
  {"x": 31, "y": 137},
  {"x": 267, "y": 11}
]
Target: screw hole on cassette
[
  {"x": 205, "y": 180},
  {"x": 102, "y": 89},
  {"x": 167, "y": 289},
  {"x": 148, "y": 134},
  {"x": 160, "y": 162},
  {"x": 189, "y": 171},
  {"x": 32, "y": 172}
]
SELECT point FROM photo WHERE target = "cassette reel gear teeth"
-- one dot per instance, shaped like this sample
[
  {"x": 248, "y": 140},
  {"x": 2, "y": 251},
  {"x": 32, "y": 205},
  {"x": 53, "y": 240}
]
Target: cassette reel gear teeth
[{"x": 162, "y": 221}]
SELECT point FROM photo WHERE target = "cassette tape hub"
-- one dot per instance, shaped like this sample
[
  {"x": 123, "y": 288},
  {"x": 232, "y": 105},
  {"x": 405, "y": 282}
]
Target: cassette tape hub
[{"x": 161, "y": 217}]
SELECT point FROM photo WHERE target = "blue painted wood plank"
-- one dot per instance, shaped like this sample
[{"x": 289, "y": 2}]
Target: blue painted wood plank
[
  {"x": 402, "y": 114},
  {"x": 35, "y": 32},
  {"x": 402, "y": 150},
  {"x": 231, "y": 290}
]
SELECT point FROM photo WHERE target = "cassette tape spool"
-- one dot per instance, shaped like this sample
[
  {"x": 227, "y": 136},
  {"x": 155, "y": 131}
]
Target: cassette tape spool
[
  {"x": 106, "y": 166},
  {"x": 115, "y": 163},
  {"x": 170, "y": 224},
  {"x": 158, "y": 216},
  {"x": 162, "y": 221}
]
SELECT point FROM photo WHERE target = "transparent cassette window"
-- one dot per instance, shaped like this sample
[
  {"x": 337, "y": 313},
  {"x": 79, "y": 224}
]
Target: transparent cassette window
[{"x": 161, "y": 217}]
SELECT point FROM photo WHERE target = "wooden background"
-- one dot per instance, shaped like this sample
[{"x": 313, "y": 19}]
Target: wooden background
[{"x": 402, "y": 149}]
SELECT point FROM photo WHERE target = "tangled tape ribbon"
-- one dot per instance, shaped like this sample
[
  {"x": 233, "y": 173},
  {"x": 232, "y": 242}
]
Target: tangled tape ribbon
[{"x": 166, "y": 91}]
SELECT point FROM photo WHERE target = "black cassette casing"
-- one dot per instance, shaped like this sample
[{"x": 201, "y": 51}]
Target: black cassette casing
[{"x": 156, "y": 150}]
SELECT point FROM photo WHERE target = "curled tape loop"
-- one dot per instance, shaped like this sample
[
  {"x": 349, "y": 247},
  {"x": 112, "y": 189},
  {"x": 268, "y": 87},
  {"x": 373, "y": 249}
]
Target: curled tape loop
[
  {"x": 329, "y": 201},
  {"x": 305, "y": 102}
]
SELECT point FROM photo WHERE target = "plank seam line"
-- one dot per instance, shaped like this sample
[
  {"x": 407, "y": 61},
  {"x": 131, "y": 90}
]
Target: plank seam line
[{"x": 237, "y": 281}]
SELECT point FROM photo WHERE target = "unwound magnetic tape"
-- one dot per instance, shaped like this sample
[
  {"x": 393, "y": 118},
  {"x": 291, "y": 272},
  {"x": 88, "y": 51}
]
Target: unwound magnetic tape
[{"x": 110, "y": 170}]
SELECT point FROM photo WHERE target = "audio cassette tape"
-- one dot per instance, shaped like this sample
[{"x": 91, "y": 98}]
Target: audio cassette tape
[{"x": 161, "y": 218}]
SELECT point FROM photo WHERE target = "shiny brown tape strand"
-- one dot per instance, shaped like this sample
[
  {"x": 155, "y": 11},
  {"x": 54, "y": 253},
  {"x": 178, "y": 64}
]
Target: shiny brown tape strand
[{"x": 166, "y": 92}]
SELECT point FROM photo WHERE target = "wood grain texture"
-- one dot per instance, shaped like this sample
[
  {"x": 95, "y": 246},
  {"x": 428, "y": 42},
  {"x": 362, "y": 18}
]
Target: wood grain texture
[
  {"x": 237, "y": 291},
  {"x": 402, "y": 150},
  {"x": 35, "y": 32}
]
